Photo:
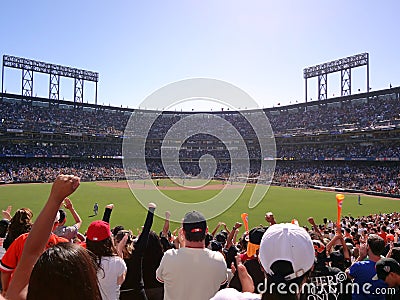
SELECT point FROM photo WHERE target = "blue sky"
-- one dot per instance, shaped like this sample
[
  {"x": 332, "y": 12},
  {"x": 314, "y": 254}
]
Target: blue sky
[{"x": 260, "y": 46}]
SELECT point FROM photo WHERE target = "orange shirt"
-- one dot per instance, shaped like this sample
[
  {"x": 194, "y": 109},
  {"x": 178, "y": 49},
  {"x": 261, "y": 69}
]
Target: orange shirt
[
  {"x": 382, "y": 234},
  {"x": 14, "y": 252}
]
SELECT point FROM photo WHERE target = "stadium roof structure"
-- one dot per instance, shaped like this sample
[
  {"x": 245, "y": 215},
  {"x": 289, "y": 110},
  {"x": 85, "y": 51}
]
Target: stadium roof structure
[
  {"x": 344, "y": 65},
  {"x": 29, "y": 66}
]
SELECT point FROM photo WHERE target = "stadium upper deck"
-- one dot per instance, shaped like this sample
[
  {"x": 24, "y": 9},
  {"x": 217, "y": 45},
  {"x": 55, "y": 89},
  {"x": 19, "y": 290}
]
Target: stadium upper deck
[
  {"x": 38, "y": 138},
  {"x": 380, "y": 112}
]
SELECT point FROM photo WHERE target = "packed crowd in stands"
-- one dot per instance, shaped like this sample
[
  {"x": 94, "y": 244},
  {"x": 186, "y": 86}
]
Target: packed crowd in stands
[
  {"x": 283, "y": 261},
  {"x": 333, "y": 150},
  {"x": 46, "y": 149},
  {"x": 365, "y": 177},
  {"x": 298, "y": 152},
  {"x": 47, "y": 170},
  {"x": 112, "y": 121},
  {"x": 26, "y": 117},
  {"x": 377, "y": 177},
  {"x": 105, "y": 126}
]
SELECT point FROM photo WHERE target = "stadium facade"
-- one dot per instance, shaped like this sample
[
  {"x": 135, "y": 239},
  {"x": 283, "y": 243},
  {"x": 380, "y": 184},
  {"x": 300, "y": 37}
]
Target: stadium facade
[{"x": 350, "y": 142}]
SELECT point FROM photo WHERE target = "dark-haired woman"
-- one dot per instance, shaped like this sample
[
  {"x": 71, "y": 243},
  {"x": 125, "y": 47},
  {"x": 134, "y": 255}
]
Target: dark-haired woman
[
  {"x": 65, "y": 271},
  {"x": 20, "y": 223},
  {"x": 133, "y": 287},
  {"x": 111, "y": 268},
  {"x": 151, "y": 261}
]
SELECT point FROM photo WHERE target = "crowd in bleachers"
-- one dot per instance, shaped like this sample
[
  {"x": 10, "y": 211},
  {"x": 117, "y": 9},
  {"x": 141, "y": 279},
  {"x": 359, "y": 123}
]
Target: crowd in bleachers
[
  {"x": 30, "y": 118},
  {"x": 361, "y": 115},
  {"x": 377, "y": 177},
  {"x": 193, "y": 261},
  {"x": 121, "y": 265},
  {"x": 48, "y": 149},
  {"x": 365, "y": 177},
  {"x": 336, "y": 150},
  {"x": 319, "y": 151},
  {"x": 112, "y": 121},
  {"x": 47, "y": 170}
]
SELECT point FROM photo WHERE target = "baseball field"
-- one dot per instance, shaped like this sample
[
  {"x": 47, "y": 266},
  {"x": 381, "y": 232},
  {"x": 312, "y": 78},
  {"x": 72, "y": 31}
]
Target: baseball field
[{"x": 285, "y": 203}]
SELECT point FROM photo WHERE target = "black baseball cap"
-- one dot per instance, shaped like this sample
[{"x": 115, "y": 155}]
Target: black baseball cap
[
  {"x": 384, "y": 266},
  {"x": 194, "y": 222}
]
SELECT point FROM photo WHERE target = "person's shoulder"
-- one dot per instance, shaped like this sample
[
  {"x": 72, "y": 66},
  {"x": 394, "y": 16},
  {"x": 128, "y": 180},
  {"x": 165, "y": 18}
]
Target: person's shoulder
[
  {"x": 55, "y": 239},
  {"x": 173, "y": 251},
  {"x": 215, "y": 254},
  {"x": 112, "y": 259},
  {"x": 118, "y": 259},
  {"x": 72, "y": 228},
  {"x": 366, "y": 262},
  {"x": 20, "y": 240},
  {"x": 361, "y": 264}
]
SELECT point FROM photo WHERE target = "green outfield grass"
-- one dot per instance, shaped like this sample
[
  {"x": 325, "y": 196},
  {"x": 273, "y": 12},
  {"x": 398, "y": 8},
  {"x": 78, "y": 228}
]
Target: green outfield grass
[{"x": 285, "y": 203}]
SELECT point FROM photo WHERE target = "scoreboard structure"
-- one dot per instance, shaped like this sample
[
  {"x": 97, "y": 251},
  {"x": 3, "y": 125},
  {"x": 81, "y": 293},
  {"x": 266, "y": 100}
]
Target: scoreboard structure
[
  {"x": 344, "y": 65},
  {"x": 29, "y": 66}
]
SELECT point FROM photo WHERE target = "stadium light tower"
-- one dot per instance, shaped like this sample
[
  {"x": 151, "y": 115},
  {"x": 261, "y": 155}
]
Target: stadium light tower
[
  {"x": 29, "y": 66},
  {"x": 344, "y": 65}
]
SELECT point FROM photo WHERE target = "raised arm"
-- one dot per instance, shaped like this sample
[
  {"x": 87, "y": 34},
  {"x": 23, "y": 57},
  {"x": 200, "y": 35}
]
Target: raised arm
[
  {"x": 216, "y": 229},
  {"x": 166, "y": 224},
  {"x": 141, "y": 243},
  {"x": 7, "y": 213},
  {"x": 68, "y": 205},
  {"x": 107, "y": 213},
  {"x": 63, "y": 186},
  {"x": 315, "y": 227},
  {"x": 231, "y": 234}
]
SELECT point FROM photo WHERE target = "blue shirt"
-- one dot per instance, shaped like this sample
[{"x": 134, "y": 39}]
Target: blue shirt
[{"x": 364, "y": 287}]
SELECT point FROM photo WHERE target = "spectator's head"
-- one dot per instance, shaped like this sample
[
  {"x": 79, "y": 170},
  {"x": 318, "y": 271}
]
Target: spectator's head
[
  {"x": 4, "y": 227},
  {"x": 20, "y": 223},
  {"x": 98, "y": 231},
  {"x": 269, "y": 217},
  {"x": 56, "y": 221},
  {"x": 220, "y": 237},
  {"x": 376, "y": 244},
  {"x": 388, "y": 270},
  {"x": 64, "y": 271},
  {"x": 255, "y": 236},
  {"x": 129, "y": 246},
  {"x": 98, "y": 240},
  {"x": 287, "y": 255},
  {"x": 396, "y": 254},
  {"x": 116, "y": 229},
  {"x": 194, "y": 225},
  {"x": 22, "y": 218},
  {"x": 63, "y": 217},
  {"x": 337, "y": 260},
  {"x": 154, "y": 248},
  {"x": 320, "y": 253},
  {"x": 215, "y": 246}
]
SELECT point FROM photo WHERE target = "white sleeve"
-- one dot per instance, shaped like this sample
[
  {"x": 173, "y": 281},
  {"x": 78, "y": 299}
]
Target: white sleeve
[{"x": 121, "y": 266}]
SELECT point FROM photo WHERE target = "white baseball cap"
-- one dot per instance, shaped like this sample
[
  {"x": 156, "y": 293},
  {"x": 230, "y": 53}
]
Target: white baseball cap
[
  {"x": 57, "y": 217},
  {"x": 287, "y": 242}
]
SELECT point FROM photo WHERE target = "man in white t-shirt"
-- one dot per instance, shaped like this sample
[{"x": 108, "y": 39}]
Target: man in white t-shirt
[{"x": 193, "y": 272}]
